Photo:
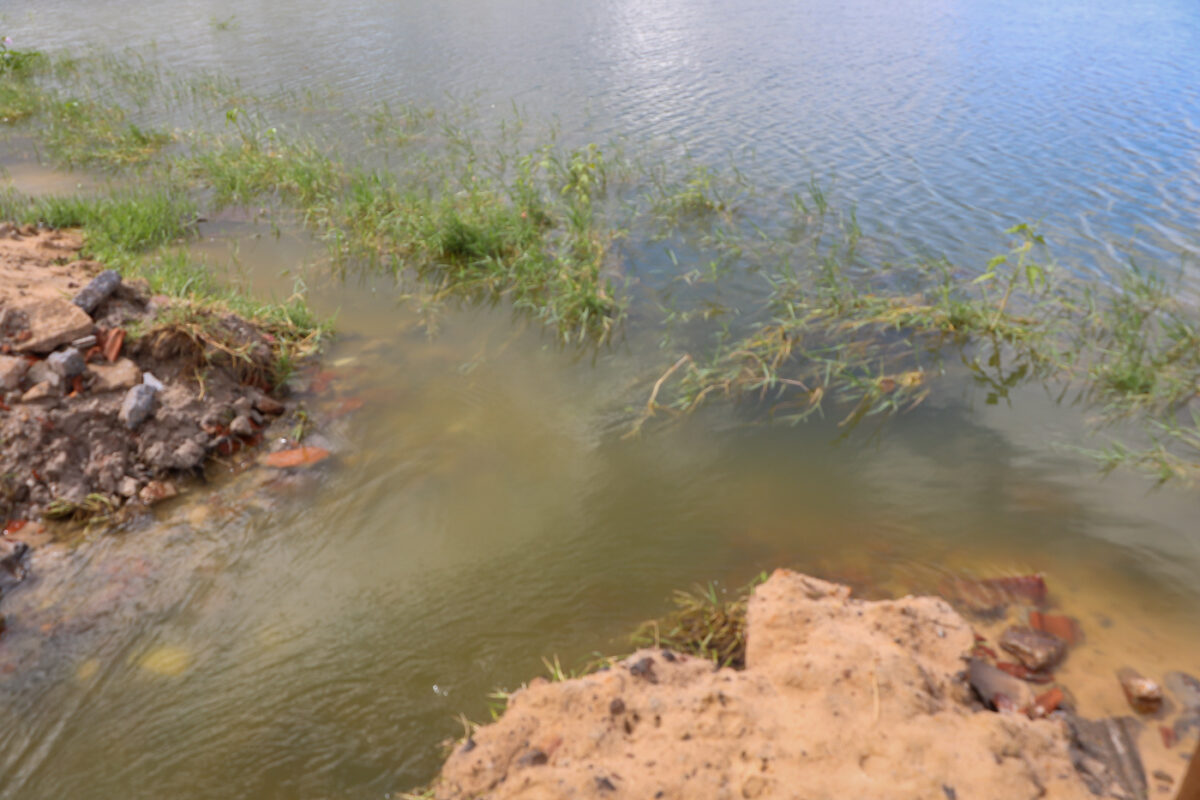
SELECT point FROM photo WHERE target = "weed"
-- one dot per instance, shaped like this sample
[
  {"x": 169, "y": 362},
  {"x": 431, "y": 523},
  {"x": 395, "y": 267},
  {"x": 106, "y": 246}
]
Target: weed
[{"x": 706, "y": 623}]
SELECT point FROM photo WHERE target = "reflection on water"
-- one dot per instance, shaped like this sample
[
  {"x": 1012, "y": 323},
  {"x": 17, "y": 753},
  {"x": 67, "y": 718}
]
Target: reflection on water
[
  {"x": 314, "y": 635},
  {"x": 945, "y": 122}
]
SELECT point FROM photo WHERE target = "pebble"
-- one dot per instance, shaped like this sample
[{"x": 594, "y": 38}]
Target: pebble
[
  {"x": 100, "y": 288},
  {"x": 124, "y": 374},
  {"x": 189, "y": 455},
  {"x": 12, "y": 370},
  {"x": 67, "y": 363},
  {"x": 40, "y": 391},
  {"x": 268, "y": 405},
  {"x": 157, "y": 491},
  {"x": 241, "y": 426},
  {"x": 1035, "y": 649},
  {"x": 137, "y": 406},
  {"x": 1143, "y": 694}
]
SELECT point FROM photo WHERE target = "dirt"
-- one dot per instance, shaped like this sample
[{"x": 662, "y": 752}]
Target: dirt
[
  {"x": 839, "y": 698},
  {"x": 76, "y": 445}
]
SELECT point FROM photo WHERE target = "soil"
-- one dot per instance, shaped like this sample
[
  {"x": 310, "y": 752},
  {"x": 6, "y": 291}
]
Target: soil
[
  {"x": 839, "y": 698},
  {"x": 66, "y": 446}
]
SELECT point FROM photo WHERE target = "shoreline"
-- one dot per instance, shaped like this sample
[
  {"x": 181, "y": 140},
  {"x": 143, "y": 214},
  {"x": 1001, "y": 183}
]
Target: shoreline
[
  {"x": 839, "y": 697},
  {"x": 114, "y": 398}
]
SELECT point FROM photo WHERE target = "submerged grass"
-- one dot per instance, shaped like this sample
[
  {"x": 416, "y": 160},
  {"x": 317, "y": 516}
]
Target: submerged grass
[{"x": 835, "y": 328}]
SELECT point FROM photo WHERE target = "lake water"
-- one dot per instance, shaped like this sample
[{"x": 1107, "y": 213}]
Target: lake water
[{"x": 316, "y": 636}]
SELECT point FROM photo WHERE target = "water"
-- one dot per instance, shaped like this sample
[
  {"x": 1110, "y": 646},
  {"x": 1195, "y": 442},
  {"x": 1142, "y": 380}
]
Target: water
[{"x": 315, "y": 637}]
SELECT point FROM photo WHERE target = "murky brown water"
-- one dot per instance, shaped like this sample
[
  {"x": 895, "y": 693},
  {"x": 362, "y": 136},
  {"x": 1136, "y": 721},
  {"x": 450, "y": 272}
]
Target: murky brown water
[
  {"x": 307, "y": 637},
  {"x": 316, "y": 635}
]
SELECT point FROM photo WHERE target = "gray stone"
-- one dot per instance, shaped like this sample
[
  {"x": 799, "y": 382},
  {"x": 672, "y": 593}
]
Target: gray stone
[
  {"x": 95, "y": 292},
  {"x": 242, "y": 427},
  {"x": 85, "y": 342},
  {"x": 189, "y": 455},
  {"x": 12, "y": 370},
  {"x": 66, "y": 363},
  {"x": 158, "y": 456},
  {"x": 11, "y": 554},
  {"x": 137, "y": 406}
]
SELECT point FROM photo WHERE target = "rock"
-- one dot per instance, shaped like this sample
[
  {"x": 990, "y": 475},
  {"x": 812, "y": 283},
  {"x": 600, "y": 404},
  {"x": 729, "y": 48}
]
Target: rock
[
  {"x": 40, "y": 391},
  {"x": 189, "y": 455},
  {"x": 53, "y": 322},
  {"x": 157, "y": 491},
  {"x": 644, "y": 668},
  {"x": 242, "y": 406},
  {"x": 996, "y": 688},
  {"x": 1105, "y": 755},
  {"x": 100, "y": 288},
  {"x": 137, "y": 406},
  {"x": 158, "y": 456},
  {"x": 151, "y": 381},
  {"x": 40, "y": 372},
  {"x": 1186, "y": 689},
  {"x": 1035, "y": 649},
  {"x": 12, "y": 371},
  {"x": 128, "y": 487},
  {"x": 241, "y": 426},
  {"x": 85, "y": 343},
  {"x": 1143, "y": 694},
  {"x": 66, "y": 363},
  {"x": 268, "y": 405},
  {"x": 122, "y": 375},
  {"x": 11, "y": 554}
]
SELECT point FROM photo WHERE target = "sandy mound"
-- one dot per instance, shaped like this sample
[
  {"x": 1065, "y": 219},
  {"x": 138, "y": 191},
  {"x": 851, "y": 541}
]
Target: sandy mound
[{"x": 840, "y": 698}]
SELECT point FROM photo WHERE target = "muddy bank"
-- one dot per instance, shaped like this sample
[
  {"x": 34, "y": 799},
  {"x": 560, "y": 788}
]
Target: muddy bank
[
  {"x": 839, "y": 698},
  {"x": 111, "y": 397}
]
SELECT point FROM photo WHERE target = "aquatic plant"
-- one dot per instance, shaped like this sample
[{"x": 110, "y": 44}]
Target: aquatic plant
[{"x": 838, "y": 325}]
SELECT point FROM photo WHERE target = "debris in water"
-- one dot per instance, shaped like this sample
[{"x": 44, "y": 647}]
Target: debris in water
[
  {"x": 297, "y": 457},
  {"x": 1143, "y": 694},
  {"x": 996, "y": 688},
  {"x": 1035, "y": 649},
  {"x": 1185, "y": 687}
]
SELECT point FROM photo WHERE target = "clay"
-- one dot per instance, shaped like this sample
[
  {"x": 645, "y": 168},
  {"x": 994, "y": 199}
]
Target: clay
[{"x": 839, "y": 698}]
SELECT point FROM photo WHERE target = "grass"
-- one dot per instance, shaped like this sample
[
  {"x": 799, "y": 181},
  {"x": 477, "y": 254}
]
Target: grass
[
  {"x": 136, "y": 232},
  {"x": 706, "y": 623},
  {"x": 458, "y": 214}
]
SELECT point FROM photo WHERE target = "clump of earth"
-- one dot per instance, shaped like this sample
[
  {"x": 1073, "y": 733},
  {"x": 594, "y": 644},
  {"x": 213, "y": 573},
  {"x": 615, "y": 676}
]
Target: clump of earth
[
  {"x": 839, "y": 698},
  {"x": 108, "y": 394}
]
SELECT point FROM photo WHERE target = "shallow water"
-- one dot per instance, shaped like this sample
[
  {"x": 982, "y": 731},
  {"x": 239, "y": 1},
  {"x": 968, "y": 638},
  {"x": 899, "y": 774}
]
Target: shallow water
[{"x": 315, "y": 636}]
